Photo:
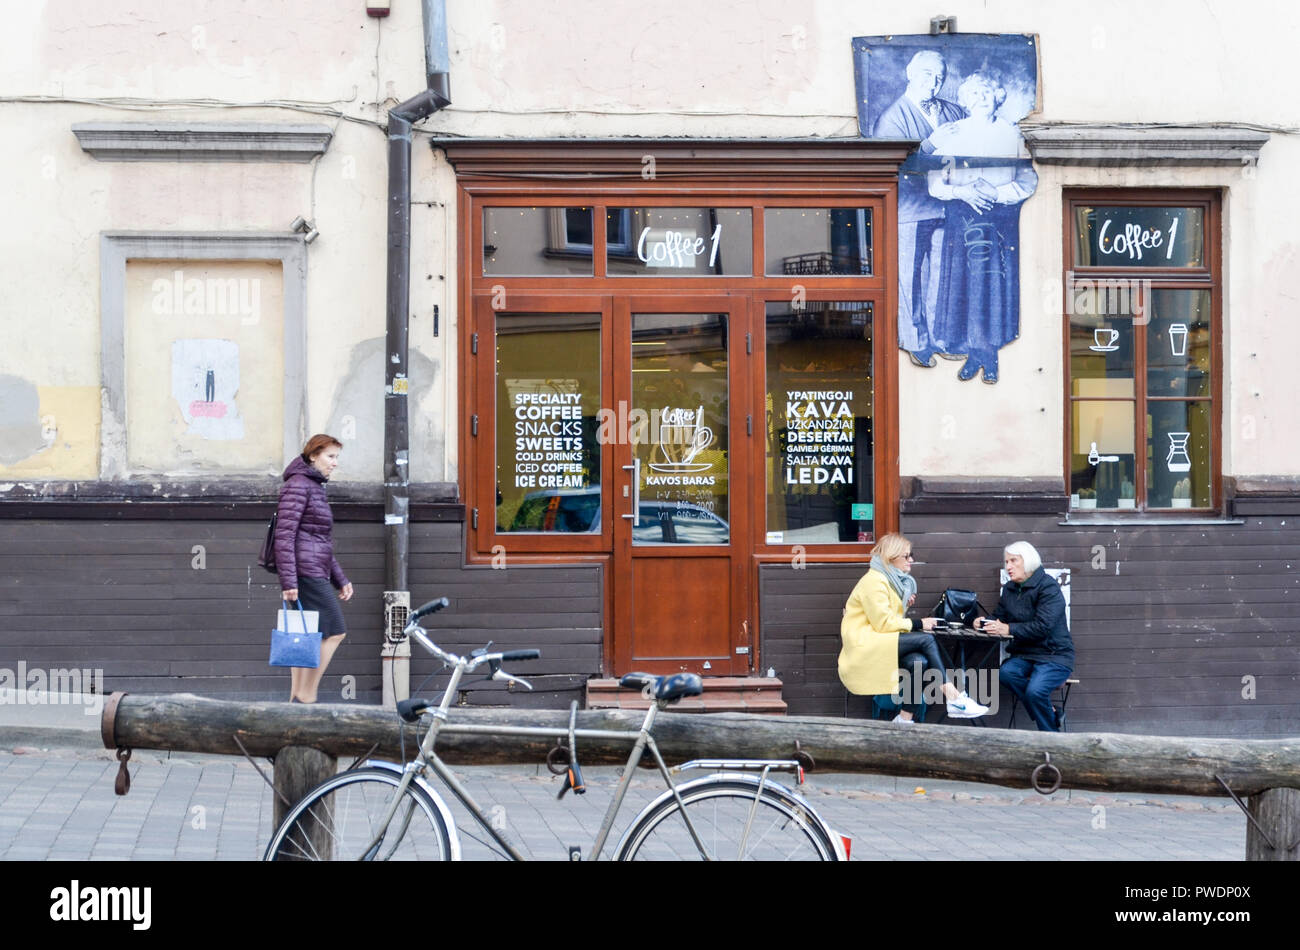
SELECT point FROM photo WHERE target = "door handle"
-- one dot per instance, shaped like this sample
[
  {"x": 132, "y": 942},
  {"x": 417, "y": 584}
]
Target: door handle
[{"x": 635, "y": 469}]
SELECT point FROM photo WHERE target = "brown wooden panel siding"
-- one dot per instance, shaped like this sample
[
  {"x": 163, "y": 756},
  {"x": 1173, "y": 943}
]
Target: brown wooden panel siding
[
  {"x": 122, "y": 596},
  {"x": 1164, "y": 630}
]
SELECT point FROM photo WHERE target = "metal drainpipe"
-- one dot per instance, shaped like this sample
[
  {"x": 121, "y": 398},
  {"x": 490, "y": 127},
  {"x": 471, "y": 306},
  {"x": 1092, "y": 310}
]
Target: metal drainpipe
[{"x": 396, "y": 652}]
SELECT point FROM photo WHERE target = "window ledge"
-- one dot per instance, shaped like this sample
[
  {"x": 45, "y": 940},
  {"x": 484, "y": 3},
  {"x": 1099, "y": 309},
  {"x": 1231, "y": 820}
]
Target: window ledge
[
  {"x": 1147, "y": 145},
  {"x": 1141, "y": 520},
  {"x": 202, "y": 141}
]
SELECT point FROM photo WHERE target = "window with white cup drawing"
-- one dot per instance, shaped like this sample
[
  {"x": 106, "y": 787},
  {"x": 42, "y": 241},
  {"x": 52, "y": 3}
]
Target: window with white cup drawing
[{"x": 1143, "y": 363}]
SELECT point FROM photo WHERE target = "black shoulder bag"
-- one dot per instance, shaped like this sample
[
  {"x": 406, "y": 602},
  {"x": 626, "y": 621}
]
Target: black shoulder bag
[
  {"x": 959, "y": 607},
  {"x": 267, "y": 557}
]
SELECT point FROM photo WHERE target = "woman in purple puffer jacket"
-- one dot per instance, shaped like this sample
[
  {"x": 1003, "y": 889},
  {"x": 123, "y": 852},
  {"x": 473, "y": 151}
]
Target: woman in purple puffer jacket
[{"x": 304, "y": 554}]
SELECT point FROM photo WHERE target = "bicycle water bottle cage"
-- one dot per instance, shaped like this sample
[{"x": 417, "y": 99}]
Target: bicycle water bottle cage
[{"x": 666, "y": 688}]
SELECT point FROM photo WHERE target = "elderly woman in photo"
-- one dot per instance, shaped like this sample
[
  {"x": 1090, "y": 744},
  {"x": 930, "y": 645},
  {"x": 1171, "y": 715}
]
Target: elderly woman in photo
[
  {"x": 878, "y": 637},
  {"x": 1032, "y": 612},
  {"x": 978, "y": 309},
  {"x": 304, "y": 554}
]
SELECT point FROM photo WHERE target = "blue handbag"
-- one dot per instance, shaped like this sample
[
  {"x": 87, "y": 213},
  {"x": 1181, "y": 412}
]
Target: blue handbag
[{"x": 294, "y": 647}]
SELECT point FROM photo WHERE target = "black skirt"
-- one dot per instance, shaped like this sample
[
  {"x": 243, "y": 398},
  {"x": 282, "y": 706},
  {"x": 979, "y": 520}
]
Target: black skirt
[{"x": 317, "y": 593}]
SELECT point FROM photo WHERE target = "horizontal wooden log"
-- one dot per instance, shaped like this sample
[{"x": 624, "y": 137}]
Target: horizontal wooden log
[{"x": 1091, "y": 761}]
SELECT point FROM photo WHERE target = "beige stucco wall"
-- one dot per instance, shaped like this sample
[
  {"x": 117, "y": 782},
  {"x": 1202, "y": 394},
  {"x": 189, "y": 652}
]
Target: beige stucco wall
[
  {"x": 734, "y": 68},
  {"x": 204, "y": 354}
]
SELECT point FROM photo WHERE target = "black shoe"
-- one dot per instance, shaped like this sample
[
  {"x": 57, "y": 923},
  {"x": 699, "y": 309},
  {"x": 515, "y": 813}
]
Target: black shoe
[
  {"x": 923, "y": 358},
  {"x": 970, "y": 369}
]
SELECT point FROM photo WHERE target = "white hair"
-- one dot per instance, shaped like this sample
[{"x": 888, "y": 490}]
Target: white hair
[
  {"x": 1027, "y": 553},
  {"x": 911, "y": 63}
]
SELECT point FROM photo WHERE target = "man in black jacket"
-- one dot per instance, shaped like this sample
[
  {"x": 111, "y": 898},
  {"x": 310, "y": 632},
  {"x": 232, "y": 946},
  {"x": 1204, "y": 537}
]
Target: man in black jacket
[{"x": 1032, "y": 612}]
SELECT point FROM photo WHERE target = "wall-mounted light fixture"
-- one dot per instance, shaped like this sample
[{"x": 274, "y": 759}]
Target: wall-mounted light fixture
[
  {"x": 304, "y": 227},
  {"x": 378, "y": 8}
]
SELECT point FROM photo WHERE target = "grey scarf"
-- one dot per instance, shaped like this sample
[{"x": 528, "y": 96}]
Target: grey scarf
[{"x": 904, "y": 584}]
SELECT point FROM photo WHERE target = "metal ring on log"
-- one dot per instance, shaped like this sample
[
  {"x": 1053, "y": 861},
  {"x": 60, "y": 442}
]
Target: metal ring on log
[
  {"x": 806, "y": 761},
  {"x": 1039, "y": 770},
  {"x": 108, "y": 720},
  {"x": 553, "y": 762}
]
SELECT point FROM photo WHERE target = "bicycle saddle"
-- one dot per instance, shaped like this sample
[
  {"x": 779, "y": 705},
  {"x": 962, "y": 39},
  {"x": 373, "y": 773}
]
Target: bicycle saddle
[{"x": 667, "y": 688}]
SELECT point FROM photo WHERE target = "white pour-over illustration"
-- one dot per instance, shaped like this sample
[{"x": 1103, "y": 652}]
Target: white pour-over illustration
[{"x": 1178, "y": 460}]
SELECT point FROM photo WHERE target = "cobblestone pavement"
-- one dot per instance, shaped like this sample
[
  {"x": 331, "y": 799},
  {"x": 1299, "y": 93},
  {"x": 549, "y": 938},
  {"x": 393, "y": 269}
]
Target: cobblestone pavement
[{"x": 59, "y": 804}]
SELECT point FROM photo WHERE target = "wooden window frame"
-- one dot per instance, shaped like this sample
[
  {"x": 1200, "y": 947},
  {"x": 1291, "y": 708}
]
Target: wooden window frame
[
  {"x": 1208, "y": 277},
  {"x": 604, "y": 173},
  {"x": 713, "y": 173}
]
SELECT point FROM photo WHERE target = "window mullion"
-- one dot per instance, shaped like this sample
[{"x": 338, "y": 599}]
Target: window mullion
[{"x": 1140, "y": 392}]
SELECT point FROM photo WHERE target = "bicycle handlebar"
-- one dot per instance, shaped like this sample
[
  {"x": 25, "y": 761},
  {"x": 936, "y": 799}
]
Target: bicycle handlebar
[{"x": 432, "y": 607}]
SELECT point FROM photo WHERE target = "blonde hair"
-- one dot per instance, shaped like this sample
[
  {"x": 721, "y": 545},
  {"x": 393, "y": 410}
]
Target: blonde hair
[
  {"x": 891, "y": 546},
  {"x": 980, "y": 79}
]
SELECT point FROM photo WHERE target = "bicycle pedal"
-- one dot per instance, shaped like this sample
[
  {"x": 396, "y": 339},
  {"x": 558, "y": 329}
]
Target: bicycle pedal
[{"x": 575, "y": 853}]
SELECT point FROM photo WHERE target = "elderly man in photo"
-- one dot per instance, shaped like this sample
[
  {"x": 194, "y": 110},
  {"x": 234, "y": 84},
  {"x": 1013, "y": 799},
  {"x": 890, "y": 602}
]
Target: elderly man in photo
[{"x": 915, "y": 114}]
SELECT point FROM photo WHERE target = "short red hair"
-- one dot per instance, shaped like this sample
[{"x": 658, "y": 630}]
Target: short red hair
[{"x": 317, "y": 444}]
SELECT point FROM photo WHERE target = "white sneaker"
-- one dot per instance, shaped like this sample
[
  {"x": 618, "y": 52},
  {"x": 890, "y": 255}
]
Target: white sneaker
[
  {"x": 963, "y": 707},
  {"x": 903, "y": 722}
]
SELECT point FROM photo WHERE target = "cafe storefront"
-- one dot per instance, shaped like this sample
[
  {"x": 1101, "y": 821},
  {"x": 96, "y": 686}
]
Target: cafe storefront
[
  {"x": 695, "y": 315},
  {"x": 679, "y": 367}
]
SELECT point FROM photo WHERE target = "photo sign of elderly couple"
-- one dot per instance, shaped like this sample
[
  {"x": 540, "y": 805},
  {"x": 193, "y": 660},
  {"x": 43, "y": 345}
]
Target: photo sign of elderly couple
[{"x": 959, "y": 194}]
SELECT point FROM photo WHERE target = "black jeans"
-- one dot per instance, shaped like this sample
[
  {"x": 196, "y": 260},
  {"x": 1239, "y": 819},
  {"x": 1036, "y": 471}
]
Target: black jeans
[{"x": 916, "y": 651}]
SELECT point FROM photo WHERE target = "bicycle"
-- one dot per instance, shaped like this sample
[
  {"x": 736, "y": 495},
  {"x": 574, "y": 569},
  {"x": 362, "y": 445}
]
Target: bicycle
[{"x": 385, "y": 811}]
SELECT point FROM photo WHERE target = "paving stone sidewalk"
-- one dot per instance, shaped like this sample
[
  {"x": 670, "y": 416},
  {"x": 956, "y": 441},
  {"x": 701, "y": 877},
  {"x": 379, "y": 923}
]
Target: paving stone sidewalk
[{"x": 58, "y": 803}]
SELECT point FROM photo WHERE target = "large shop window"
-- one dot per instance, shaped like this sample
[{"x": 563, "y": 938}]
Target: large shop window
[
  {"x": 548, "y": 394},
  {"x": 819, "y": 399},
  {"x": 1142, "y": 309}
]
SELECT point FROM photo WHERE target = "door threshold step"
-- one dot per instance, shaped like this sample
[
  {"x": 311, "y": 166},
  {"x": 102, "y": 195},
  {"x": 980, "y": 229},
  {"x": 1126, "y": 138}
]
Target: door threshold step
[{"x": 759, "y": 695}]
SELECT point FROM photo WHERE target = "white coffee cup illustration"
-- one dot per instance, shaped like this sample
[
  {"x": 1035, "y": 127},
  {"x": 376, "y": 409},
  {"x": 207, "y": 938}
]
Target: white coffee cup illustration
[
  {"x": 1104, "y": 337},
  {"x": 681, "y": 437},
  {"x": 1178, "y": 339}
]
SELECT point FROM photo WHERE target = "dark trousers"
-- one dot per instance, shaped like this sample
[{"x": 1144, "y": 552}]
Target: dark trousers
[
  {"x": 1033, "y": 681},
  {"x": 916, "y": 651}
]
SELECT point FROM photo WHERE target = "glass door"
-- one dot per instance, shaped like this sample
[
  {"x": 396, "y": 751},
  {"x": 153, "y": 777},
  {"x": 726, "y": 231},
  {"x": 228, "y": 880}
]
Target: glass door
[{"x": 681, "y": 533}]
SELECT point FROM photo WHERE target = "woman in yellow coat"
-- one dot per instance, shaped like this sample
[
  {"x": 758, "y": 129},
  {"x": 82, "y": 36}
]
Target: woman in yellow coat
[{"x": 878, "y": 637}]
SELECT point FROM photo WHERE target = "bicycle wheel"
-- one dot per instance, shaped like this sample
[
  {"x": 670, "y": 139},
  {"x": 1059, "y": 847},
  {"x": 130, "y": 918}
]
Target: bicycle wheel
[
  {"x": 784, "y": 827},
  {"x": 341, "y": 818}
]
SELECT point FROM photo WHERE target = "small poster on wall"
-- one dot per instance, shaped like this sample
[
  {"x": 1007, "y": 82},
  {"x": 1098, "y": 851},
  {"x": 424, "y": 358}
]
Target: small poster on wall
[{"x": 959, "y": 194}]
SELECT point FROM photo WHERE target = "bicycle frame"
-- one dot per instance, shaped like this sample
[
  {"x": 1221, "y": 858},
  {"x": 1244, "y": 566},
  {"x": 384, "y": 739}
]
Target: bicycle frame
[{"x": 641, "y": 740}]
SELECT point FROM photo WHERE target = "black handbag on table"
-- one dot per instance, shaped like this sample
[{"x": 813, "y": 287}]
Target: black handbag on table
[{"x": 959, "y": 607}]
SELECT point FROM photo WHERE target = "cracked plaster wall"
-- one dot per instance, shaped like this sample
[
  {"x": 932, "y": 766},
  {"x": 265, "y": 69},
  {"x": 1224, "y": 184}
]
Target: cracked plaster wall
[{"x": 748, "y": 69}]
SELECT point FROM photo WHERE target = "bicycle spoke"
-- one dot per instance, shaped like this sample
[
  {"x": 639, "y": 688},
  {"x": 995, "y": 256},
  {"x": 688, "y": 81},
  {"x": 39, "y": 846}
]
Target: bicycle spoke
[
  {"x": 344, "y": 821},
  {"x": 734, "y": 820}
]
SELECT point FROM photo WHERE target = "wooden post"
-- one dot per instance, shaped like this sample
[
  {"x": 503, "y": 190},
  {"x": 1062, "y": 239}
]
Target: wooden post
[
  {"x": 1277, "y": 810},
  {"x": 299, "y": 769}
]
